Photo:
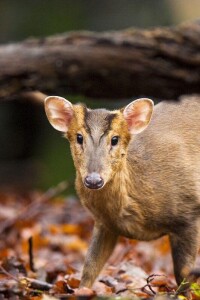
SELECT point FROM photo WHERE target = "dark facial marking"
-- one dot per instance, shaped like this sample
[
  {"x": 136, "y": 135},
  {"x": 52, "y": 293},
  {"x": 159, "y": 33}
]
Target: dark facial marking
[
  {"x": 100, "y": 119},
  {"x": 85, "y": 111},
  {"x": 109, "y": 118}
]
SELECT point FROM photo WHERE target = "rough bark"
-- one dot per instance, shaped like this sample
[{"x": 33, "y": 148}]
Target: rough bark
[{"x": 159, "y": 63}]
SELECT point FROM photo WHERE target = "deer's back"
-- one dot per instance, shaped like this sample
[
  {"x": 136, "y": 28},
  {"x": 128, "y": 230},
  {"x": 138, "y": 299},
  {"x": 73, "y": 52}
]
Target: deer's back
[{"x": 165, "y": 158}]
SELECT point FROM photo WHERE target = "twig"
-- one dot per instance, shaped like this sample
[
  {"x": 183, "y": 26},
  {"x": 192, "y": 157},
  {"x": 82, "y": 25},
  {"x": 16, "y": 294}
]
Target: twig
[
  {"x": 35, "y": 96},
  {"x": 183, "y": 287},
  {"x": 3, "y": 271},
  {"x": 150, "y": 293},
  {"x": 30, "y": 252},
  {"x": 36, "y": 284},
  {"x": 149, "y": 280},
  {"x": 28, "y": 282},
  {"x": 34, "y": 208}
]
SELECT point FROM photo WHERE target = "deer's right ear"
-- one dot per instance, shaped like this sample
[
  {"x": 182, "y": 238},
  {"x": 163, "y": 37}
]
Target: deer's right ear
[{"x": 59, "y": 112}]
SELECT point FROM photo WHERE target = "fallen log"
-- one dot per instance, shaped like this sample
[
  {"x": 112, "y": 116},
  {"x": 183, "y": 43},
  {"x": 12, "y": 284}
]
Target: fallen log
[{"x": 161, "y": 63}]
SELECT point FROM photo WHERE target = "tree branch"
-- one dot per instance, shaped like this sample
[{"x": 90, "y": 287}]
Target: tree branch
[{"x": 160, "y": 62}]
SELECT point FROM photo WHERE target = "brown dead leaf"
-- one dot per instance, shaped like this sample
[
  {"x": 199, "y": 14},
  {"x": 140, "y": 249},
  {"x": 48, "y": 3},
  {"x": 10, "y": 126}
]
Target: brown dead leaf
[
  {"x": 73, "y": 281},
  {"x": 102, "y": 289},
  {"x": 84, "y": 292},
  {"x": 163, "y": 245},
  {"x": 65, "y": 228},
  {"x": 61, "y": 287}
]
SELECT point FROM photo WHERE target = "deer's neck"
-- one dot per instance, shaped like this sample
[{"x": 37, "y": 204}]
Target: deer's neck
[{"x": 114, "y": 196}]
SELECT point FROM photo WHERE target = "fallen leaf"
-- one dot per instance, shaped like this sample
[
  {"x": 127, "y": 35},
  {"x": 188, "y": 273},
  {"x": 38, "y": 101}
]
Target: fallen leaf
[{"x": 84, "y": 292}]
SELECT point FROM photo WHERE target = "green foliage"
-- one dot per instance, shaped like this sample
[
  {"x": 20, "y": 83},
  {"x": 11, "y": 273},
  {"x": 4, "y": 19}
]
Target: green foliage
[{"x": 195, "y": 288}]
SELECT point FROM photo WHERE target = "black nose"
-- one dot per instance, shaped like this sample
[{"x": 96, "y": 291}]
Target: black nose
[{"x": 93, "y": 181}]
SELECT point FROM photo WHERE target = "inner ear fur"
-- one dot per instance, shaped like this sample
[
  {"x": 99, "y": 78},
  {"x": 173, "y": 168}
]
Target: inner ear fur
[
  {"x": 138, "y": 114},
  {"x": 59, "y": 112}
]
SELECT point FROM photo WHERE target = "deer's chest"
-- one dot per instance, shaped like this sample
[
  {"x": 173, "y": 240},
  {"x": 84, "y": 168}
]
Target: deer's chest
[{"x": 119, "y": 218}]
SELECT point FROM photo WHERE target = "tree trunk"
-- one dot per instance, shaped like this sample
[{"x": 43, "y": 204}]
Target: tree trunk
[{"x": 161, "y": 63}]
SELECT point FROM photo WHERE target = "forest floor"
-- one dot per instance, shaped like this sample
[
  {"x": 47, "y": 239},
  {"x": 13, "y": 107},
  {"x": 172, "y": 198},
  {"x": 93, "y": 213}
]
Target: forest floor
[{"x": 44, "y": 240}]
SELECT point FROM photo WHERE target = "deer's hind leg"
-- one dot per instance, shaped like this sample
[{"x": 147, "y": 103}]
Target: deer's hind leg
[{"x": 185, "y": 246}]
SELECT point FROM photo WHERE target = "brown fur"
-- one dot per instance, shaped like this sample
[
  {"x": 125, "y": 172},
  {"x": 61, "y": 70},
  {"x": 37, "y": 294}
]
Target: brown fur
[{"x": 152, "y": 181}]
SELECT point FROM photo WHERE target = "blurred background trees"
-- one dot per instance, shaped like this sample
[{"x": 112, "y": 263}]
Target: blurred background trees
[{"x": 32, "y": 154}]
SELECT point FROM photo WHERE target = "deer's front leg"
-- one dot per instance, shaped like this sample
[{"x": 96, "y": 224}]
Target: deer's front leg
[
  {"x": 185, "y": 246},
  {"x": 101, "y": 247}
]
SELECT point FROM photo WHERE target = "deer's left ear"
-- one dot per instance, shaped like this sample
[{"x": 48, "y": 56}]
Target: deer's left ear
[{"x": 138, "y": 114}]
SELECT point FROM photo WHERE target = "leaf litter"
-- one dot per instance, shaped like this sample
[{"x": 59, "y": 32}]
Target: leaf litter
[{"x": 44, "y": 240}]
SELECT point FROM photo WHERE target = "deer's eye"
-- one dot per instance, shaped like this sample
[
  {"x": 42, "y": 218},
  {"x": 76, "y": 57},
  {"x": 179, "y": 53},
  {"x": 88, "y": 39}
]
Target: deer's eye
[
  {"x": 79, "y": 138},
  {"x": 114, "y": 140}
]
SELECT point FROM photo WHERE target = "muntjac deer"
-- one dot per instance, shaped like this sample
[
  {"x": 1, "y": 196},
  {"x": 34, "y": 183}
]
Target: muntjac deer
[{"x": 138, "y": 172}]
